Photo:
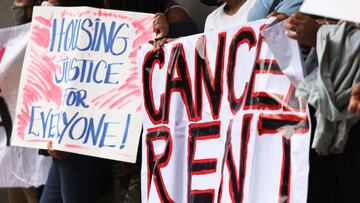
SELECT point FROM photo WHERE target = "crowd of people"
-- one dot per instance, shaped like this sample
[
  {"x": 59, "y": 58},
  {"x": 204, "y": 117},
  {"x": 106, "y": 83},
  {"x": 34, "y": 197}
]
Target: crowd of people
[{"x": 332, "y": 178}]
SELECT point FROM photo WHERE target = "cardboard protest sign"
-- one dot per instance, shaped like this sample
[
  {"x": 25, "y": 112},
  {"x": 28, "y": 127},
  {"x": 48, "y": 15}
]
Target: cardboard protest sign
[
  {"x": 343, "y": 10},
  {"x": 19, "y": 167},
  {"x": 221, "y": 122},
  {"x": 79, "y": 83}
]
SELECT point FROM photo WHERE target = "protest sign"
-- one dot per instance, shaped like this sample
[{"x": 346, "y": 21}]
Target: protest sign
[
  {"x": 19, "y": 167},
  {"x": 79, "y": 86},
  {"x": 221, "y": 122}
]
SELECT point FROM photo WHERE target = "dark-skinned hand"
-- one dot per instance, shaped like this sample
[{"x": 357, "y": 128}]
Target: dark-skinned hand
[
  {"x": 279, "y": 16},
  {"x": 161, "y": 28},
  {"x": 354, "y": 105},
  {"x": 302, "y": 28},
  {"x": 56, "y": 154}
]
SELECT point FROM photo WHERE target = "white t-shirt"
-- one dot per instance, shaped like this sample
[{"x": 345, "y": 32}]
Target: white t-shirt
[{"x": 218, "y": 20}]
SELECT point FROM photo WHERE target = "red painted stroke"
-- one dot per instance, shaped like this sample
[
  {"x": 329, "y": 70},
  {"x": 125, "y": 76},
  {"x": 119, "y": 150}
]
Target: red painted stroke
[
  {"x": 120, "y": 97},
  {"x": 2, "y": 52}
]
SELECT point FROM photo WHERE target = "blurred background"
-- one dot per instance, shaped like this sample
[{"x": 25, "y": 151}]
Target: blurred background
[{"x": 5, "y": 15}]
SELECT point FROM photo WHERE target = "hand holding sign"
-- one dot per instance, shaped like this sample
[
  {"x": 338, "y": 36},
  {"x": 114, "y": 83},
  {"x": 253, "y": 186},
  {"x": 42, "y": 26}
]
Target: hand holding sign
[
  {"x": 302, "y": 28},
  {"x": 56, "y": 154}
]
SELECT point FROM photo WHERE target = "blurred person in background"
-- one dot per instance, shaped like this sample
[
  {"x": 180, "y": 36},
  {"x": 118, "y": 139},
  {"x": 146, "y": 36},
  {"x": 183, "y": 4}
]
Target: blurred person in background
[
  {"x": 334, "y": 63},
  {"x": 22, "y": 10},
  {"x": 171, "y": 20},
  {"x": 22, "y": 14},
  {"x": 212, "y": 2},
  {"x": 236, "y": 12},
  {"x": 229, "y": 13},
  {"x": 280, "y": 9}
]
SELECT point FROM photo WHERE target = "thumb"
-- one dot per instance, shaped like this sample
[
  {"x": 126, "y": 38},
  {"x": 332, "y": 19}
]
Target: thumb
[{"x": 49, "y": 146}]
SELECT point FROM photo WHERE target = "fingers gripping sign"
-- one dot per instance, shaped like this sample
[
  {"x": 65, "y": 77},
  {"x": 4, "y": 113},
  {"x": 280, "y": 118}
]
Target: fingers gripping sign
[
  {"x": 160, "y": 25},
  {"x": 56, "y": 154},
  {"x": 302, "y": 28},
  {"x": 161, "y": 28}
]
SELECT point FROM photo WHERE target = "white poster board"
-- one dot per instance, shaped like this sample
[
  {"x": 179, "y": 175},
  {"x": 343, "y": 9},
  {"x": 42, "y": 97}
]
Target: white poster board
[
  {"x": 221, "y": 122},
  {"x": 79, "y": 83}
]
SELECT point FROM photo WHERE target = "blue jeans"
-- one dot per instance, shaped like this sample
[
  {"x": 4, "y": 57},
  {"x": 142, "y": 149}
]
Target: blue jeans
[{"x": 77, "y": 178}]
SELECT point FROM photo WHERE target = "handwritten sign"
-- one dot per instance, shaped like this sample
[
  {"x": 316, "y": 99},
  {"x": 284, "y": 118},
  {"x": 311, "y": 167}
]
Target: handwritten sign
[
  {"x": 79, "y": 84},
  {"x": 221, "y": 122}
]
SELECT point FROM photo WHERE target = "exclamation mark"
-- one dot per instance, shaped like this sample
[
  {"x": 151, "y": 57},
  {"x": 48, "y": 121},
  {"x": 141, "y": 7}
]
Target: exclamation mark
[{"x": 122, "y": 146}]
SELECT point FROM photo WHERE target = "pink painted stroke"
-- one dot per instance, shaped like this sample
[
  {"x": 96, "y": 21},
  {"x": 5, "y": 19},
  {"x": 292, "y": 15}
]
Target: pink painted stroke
[
  {"x": 73, "y": 146},
  {"x": 39, "y": 84},
  {"x": 118, "y": 98}
]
